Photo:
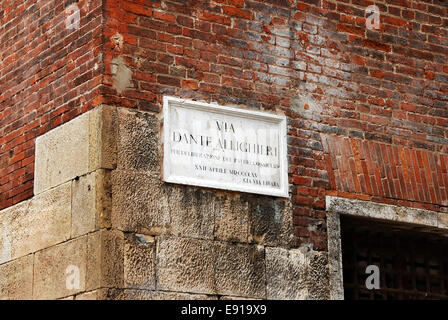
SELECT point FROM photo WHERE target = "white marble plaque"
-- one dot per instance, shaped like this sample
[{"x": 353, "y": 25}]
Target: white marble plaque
[{"x": 225, "y": 148}]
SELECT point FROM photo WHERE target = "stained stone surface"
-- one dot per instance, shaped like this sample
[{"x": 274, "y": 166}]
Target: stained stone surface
[
  {"x": 105, "y": 259},
  {"x": 103, "y": 132},
  {"x": 36, "y": 224},
  {"x": 192, "y": 212},
  {"x": 232, "y": 219},
  {"x": 112, "y": 258},
  {"x": 286, "y": 273},
  {"x": 270, "y": 221},
  {"x": 62, "y": 154},
  {"x": 91, "y": 202},
  {"x": 318, "y": 276},
  {"x": 140, "y": 202},
  {"x": 186, "y": 265},
  {"x": 94, "y": 261},
  {"x": 51, "y": 270},
  {"x": 240, "y": 270},
  {"x": 138, "y": 142},
  {"x": 84, "y": 195},
  {"x": 16, "y": 279},
  {"x": 139, "y": 262}
]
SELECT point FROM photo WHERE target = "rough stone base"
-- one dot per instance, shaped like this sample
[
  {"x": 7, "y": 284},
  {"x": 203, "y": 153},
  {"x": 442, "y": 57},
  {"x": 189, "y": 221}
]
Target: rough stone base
[{"x": 101, "y": 206}]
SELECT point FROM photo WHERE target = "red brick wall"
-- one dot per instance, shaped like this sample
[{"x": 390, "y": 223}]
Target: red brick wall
[
  {"x": 342, "y": 86},
  {"x": 47, "y": 77},
  {"x": 381, "y": 172}
]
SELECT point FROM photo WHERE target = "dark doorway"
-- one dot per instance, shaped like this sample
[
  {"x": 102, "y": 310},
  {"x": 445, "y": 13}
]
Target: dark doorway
[{"x": 412, "y": 261}]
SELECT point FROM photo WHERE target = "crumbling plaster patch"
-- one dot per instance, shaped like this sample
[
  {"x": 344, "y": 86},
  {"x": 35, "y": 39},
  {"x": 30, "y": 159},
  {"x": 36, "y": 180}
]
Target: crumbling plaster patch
[{"x": 122, "y": 74}]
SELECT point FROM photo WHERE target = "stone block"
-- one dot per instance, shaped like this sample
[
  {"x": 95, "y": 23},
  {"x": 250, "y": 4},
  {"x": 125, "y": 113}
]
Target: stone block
[
  {"x": 185, "y": 265},
  {"x": 240, "y": 270},
  {"x": 62, "y": 154},
  {"x": 103, "y": 133},
  {"x": 94, "y": 261},
  {"x": 318, "y": 281},
  {"x": 112, "y": 248},
  {"x": 16, "y": 280},
  {"x": 83, "y": 205},
  {"x": 60, "y": 271},
  {"x": 139, "y": 262},
  {"x": 270, "y": 221},
  {"x": 80, "y": 146},
  {"x": 36, "y": 224},
  {"x": 105, "y": 255},
  {"x": 232, "y": 219},
  {"x": 138, "y": 141},
  {"x": 416, "y": 216},
  {"x": 192, "y": 212},
  {"x": 10, "y": 240},
  {"x": 103, "y": 183},
  {"x": 286, "y": 273},
  {"x": 359, "y": 208},
  {"x": 140, "y": 202},
  {"x": 91, "y": 202}
]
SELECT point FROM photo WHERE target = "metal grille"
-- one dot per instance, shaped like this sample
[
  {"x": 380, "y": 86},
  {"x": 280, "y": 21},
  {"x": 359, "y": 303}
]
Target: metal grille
[{"x": 413, "y": 263}]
